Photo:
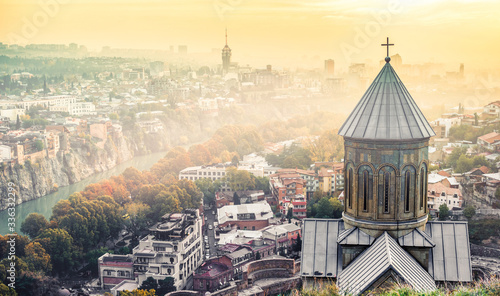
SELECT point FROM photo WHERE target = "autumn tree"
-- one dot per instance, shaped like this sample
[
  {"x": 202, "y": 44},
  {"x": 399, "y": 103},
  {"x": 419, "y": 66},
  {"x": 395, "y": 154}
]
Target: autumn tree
[
  {"x": 37, "y": 258},
  {"x": 138, "y": 219},
  {"x": 239, "y": 179},
  {"x": 34, "y": 224}
]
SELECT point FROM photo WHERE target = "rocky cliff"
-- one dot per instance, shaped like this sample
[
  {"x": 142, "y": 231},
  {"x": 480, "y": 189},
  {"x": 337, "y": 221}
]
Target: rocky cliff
[{"x": 42, "y": 177}]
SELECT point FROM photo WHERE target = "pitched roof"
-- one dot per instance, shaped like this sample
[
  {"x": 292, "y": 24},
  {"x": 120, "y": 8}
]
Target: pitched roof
[
  {"x": 416, "y": 238},
  {"x": 384, "y": 255},
  {"x": 386, "y": 112},
  {"x": 321, "y": 255},
  {"x": 490, "y": 138},
  {"x": 449, "y": 260},
  {"x": 354, "y": 236},
  {"x": 440, "y": 187}
]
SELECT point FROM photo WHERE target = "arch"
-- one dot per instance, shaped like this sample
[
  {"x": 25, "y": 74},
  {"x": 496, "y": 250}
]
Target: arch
[
  {"x": 408, "y": 174},
  {"x": 385, "y": 165},
  {"x": 365, "y": 186},
  {"x": 386, "y": 188},
  {"x": 349, "y": 183},
  {"x": 423, "y": 186}
]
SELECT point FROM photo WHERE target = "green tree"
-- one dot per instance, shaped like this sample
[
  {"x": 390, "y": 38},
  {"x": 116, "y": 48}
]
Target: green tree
[
  {"x": 149, "y": 284},
  {"x": 464, "y": 164},
  {"x": 444, "y": 212},
  {"x": 297, "y": 245},
  {"x": 337, "y": 206},
  {"x": 469, "y": 212},
  {"x": 92, "y": 256},
  {"x": 39, "y": 145},
  {"x": 34, "y": 224},
  {"x": 324, "y": 208},
  {"x": 166, "y": 286},
  {"x": 289, "y": 214},
  {"x": 59, "y": 245},
  {"x": 138, "y": 219},
  {"x": 18, "y": 123}
]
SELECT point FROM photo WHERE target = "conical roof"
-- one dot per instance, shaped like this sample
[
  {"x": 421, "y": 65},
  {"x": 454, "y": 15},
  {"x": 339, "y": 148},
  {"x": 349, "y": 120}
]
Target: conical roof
[{"x": 386, "y": 112}]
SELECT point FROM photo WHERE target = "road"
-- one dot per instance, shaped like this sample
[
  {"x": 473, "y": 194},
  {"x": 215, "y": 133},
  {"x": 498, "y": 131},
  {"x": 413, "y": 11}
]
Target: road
[{"x": 211, "y": 218}]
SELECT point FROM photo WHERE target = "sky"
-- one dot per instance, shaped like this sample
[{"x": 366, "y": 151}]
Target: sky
[{"x": 288, "y": 31}]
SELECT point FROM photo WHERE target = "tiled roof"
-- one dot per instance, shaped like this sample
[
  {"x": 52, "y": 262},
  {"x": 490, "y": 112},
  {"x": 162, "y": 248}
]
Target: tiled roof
[
  {"x": 490, "y": 138},
  {"x": 386, "y": 112},
  {"x": 439, "y": 187},
  {"x": 383, "y": 256}
]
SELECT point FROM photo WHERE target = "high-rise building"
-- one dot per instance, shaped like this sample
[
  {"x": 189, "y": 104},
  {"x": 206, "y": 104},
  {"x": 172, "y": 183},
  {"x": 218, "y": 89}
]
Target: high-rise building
[
  {"x": 329, "y": 68},
  {"x": 226, "y": 57}
]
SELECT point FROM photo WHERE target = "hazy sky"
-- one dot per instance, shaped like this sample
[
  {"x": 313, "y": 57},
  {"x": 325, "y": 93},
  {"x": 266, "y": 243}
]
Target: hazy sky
[{"x": 288, "y": 30}]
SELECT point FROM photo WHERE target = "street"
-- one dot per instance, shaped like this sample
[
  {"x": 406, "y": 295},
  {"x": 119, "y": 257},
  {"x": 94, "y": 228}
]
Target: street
[{"x": 211, "y": 218}]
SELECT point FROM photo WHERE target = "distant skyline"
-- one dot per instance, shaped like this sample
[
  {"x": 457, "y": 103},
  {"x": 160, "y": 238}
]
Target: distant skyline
[{"x": 291, "y": 32}]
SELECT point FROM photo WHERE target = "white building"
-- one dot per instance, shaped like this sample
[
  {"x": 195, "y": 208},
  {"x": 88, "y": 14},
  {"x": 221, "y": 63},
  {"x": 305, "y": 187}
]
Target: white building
[
  {"x": 81, "y": 108},
  {"x": 12, "y": 113},
  {"x": 5, "y": 152},
  {"x": 439, "y": 194},
  {"x": 172, "y": 249}
]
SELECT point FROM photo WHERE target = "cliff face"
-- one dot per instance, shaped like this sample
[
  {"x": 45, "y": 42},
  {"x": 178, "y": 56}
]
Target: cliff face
[{"x": 44, "y": 176}]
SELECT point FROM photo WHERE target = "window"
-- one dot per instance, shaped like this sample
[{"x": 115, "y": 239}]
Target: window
[
  {"x": 407, "y": 190},
  {"x": 349, "y": 183},
  {"x": 422, "y": 187},
  {"x": 365, "y": 190},
  {"x": 387, "y": 180}
]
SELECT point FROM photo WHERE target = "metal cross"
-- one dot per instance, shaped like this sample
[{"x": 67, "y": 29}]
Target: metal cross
[{"x": 387, "y": 44}]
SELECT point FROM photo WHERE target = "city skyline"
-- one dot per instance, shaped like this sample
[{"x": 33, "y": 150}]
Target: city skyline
[{"x": 282, "y": 32}]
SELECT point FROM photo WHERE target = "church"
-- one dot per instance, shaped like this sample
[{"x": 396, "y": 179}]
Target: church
[{"x": 384, "y": 236}]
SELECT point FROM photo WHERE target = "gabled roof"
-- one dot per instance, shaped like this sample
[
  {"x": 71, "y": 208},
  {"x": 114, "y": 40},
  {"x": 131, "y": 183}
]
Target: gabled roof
[
  {"x": 384, "y": 255},
  {"x": 490, "y": 138},
  {"x": 449, "y": 260},
  {"x": 354, "y": 236},
  {"x": 386, "y": 112},
  {"x": 416, "y": 238},
  {"x": 321, "y": 255}
]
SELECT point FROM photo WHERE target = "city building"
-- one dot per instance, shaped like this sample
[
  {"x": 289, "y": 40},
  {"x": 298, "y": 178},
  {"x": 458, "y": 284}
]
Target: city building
[
  {"x": 173, "y": 248},
  {"x": 226, "y": 57},
  {"x": 287, "y": 188},
  {"x": 247, "y": 217},
  {"x": 489, "y": 141},
  {"x": 384, "y": 236},
  {"x": 113, "y": 269},
  {"x": 439, "y": 194}
]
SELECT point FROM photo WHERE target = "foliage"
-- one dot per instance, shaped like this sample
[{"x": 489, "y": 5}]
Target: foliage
[
  {"x": 37, "y": 258},
  {"x": 444, "y": 212},
  {"x": 92, "y": 256},
  {"x": 483, "y": 229},
  {"x": 297, "y": 245},
  {"x": 208, "y": 187},
  {"x": 239, "y": 179},
  {"x": 327, "y": 147},
  {"x": 138, "y": 292},
  {"x": 138, "y": 219},
  {"x": 7, "y": 291},
  {"x": 34, "y": 224},
  {"x": 291, "y": 157},
  {"x": 59, "y": 245},
  {"x": 469, "y": 212}
]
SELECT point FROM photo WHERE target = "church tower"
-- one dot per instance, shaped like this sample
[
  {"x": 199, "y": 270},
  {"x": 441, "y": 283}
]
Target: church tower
[
  {"x": 226, "y": 57},
  {"x": 386, "y": 159},
  {"x": 384, "y": 236}
]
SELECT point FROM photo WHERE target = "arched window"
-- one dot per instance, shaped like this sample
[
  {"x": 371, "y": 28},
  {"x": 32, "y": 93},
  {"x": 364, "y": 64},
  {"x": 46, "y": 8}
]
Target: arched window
[
  {"x": 407, "y": 190},
  {"x": 422, "y": 187},
  {"x": 349, "y": 184},
  {"x": 387, "y": 181},
  {"x": 365, "y": 190}
]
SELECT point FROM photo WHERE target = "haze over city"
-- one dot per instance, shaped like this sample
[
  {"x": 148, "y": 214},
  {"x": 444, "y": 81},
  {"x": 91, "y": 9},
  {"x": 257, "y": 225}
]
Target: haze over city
[{"x": 285, "y": 33}]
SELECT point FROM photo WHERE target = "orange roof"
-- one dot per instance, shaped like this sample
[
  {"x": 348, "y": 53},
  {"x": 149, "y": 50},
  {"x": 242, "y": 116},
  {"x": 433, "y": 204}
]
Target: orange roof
[
  {"x": 490, "y": 138},
  {"x": 484, "y": 169},
  {"x": 444, "y": 174},
  {"x": 440, "y": 187}
]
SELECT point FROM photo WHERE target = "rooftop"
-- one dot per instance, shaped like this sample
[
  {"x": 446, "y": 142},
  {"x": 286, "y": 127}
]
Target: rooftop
[{"x": 386, "y": 112}]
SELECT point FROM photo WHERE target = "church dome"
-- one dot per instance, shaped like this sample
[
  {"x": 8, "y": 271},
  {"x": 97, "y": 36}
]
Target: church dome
[{"x": 386, "y": 112}]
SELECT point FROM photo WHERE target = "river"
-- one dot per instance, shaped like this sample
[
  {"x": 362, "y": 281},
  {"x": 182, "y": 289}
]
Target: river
[{"x": 44, "y": 204}]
